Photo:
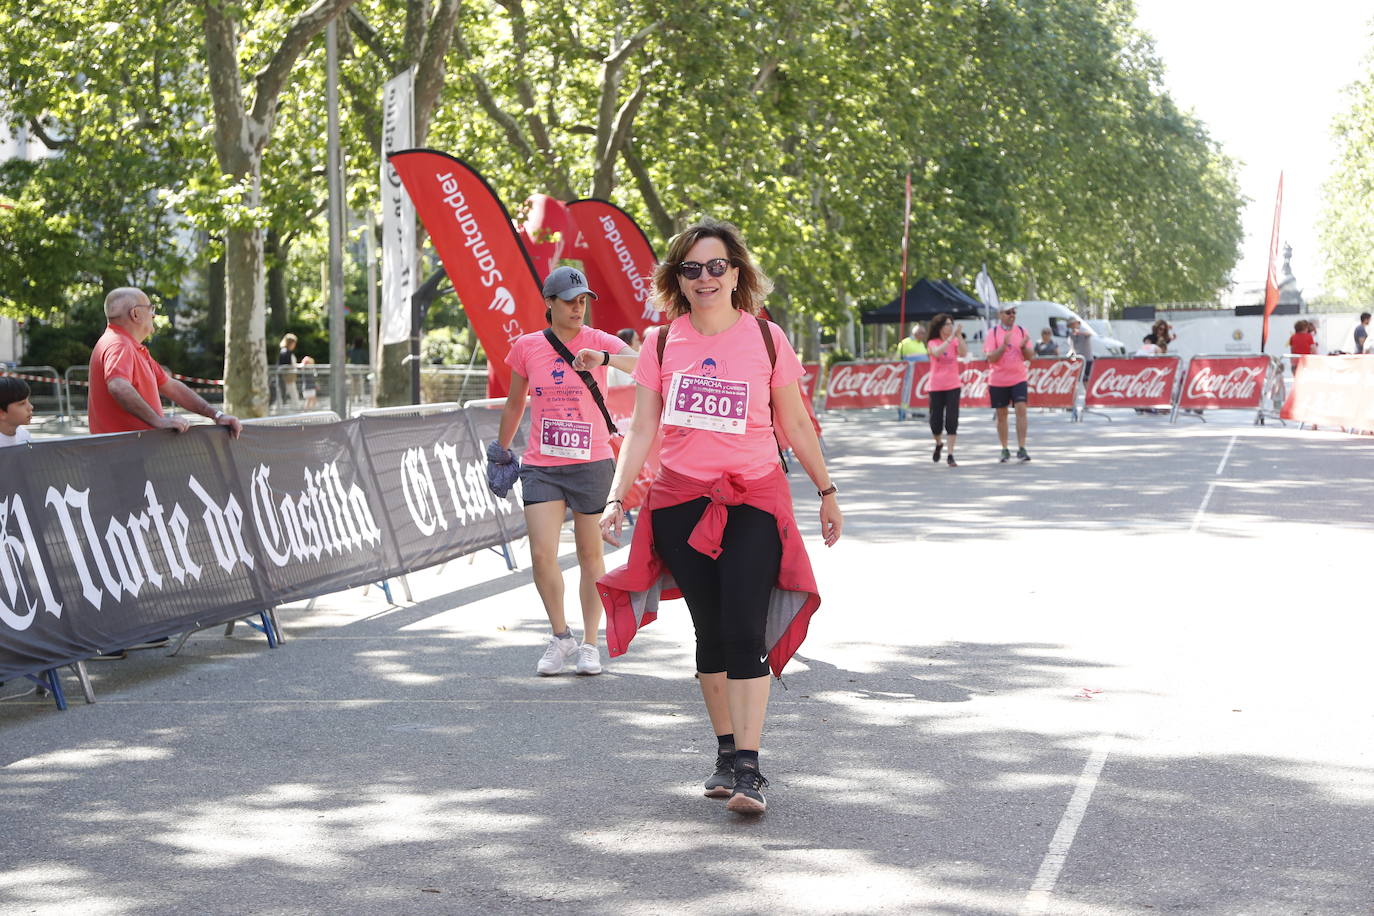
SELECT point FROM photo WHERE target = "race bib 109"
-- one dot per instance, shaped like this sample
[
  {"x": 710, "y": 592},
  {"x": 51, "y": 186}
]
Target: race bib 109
[
  {"x": 565, "y": 439},
  {"x": 715, "y": 404}
]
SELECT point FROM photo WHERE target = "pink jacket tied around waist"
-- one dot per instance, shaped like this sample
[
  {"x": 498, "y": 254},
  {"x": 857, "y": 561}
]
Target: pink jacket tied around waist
[{"x": 632, "y": 592}]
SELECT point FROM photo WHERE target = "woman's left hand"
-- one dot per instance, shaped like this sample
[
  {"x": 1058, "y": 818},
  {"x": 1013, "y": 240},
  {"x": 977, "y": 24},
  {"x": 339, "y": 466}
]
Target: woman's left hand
[
  {"x": 832, "y": 521},
  {"x": 587, "y": 359}
]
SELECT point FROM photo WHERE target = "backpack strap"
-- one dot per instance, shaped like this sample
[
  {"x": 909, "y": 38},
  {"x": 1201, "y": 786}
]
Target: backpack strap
[
  {"x": 562, "y": 350},
  {"x": 768, "y": 342}
]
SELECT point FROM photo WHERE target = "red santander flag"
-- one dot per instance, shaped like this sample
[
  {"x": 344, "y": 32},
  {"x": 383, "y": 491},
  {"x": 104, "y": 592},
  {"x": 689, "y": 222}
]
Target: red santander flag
[
  {"x": 545, "y": 231},
  {"x": 1271, "y": 280},
  {"x": 475, "y": 238},
  {"x": 619, "y": 262}
]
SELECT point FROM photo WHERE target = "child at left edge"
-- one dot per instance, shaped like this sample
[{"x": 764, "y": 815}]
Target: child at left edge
[{"x": 15, "y": 411}]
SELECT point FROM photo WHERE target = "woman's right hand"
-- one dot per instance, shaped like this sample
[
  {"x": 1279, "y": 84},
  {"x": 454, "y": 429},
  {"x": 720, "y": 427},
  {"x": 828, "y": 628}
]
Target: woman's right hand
[{"x": 611, "y": 519}]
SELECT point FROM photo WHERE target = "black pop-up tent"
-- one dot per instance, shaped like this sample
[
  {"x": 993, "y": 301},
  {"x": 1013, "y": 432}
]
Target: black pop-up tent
[{"x": 924, "y": 300}]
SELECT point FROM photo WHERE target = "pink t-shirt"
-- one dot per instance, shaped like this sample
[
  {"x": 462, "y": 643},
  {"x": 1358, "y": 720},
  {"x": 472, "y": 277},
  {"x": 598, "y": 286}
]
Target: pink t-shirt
[
  {"x": 566, "y": 426},
  {"x": 1011, "y": 368},
  {"x": 944, "y": 369},
  {"x": 717, "y": 396}
]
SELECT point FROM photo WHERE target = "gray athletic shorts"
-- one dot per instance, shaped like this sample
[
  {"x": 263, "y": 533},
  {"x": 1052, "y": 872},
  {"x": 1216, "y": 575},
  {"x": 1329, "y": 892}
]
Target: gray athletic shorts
[{"x": 584, "y": 487}]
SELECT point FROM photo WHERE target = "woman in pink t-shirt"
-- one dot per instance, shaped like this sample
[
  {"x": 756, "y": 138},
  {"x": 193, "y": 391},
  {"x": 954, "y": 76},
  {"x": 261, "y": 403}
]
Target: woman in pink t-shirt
[
  {"x": 716, "y": 384},
  {"x": 568, "y": 462},
  {"x": 946, "y": 348}
]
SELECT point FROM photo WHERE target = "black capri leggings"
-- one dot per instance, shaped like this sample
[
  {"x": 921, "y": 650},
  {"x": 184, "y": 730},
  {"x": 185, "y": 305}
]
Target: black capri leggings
[
  {"x": 727, "y": 596},
  {"x": 944, "y": 411}
]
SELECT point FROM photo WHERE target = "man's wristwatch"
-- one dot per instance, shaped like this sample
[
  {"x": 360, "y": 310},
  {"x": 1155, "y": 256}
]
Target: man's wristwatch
[
  {"x": 827, "y": 491},
  {"x": 218, "y": 414},
  {"x": 605, "y": 357}
]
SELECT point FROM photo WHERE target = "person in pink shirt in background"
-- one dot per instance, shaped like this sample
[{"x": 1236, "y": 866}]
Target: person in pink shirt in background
[
  {"x": 568, "y": 463},
  {"x": 1010, "y": 351},
  {"x": 946, "y": 346}
]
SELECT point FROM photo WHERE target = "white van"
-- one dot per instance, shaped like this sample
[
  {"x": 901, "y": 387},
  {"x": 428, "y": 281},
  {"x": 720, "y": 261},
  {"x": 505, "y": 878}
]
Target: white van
[{"x": 1035, "y": 315}]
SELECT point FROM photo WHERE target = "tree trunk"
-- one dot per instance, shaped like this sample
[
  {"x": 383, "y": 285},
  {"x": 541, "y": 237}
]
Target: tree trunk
[
  {"x": 245, "y": 378},
  {"x": 214, "y": 294},
  {"x": 276, "y": 284}
]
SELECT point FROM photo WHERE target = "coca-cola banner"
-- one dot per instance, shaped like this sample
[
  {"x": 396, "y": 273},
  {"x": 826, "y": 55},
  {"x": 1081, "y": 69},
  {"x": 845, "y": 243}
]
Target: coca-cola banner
[
  {"x": 1332, "y": 391},
  {"x": 111, "y": 540},
  {"x": 1131, "y": 381},
  {"x": 973, "y": 384},
  {"x": 616, "y": 253},
  {"x": 1049, "y": 383},
  {"x": 1054, "y": 382},
  {"x": 854, "y": 385},
  {"x": 1223, "y": 382},
  {"x": 473, "y": 234},
  {"x": 811, "y": 375}
]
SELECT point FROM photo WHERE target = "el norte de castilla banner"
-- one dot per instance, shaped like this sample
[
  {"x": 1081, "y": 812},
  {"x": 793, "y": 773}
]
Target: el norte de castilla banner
[{"x": 110, "y": 540}]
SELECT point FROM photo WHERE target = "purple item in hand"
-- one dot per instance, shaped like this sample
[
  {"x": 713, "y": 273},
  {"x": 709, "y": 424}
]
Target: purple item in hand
[{"x": 502, "y": 468}]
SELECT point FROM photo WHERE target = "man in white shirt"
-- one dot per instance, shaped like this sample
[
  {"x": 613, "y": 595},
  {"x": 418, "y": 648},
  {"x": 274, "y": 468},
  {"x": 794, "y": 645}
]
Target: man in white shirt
[{"x": 15, "y": 411}]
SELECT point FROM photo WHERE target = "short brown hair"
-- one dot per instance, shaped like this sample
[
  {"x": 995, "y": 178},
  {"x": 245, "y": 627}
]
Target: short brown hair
[{"x": 747, "y": 296}]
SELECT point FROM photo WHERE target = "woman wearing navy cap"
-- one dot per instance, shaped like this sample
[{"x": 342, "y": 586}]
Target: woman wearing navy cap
[{"x": 568, "y": 463}]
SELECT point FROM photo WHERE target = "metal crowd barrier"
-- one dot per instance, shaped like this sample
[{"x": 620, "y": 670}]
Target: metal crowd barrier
[
  {"x": 296, "y": 389},
  {"x": 45, "y": 392}
]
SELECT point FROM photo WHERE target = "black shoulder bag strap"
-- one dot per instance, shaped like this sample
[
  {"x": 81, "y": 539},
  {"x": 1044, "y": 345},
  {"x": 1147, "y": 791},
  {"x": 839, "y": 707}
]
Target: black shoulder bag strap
[
  {"x": 561, "y": 349},
  {"x": 772, "y": 364}
]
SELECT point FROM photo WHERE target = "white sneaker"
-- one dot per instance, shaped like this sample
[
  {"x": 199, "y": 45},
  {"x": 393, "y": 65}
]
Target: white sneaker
[
  {"x": 558, "y": 654},
  {"x": 588, "y": 659}
]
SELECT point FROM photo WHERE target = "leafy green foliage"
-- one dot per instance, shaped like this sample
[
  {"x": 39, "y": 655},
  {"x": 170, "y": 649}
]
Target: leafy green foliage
[
  {"x": 1347, "y": 226},
  {"x": 1038, "y": 137}
]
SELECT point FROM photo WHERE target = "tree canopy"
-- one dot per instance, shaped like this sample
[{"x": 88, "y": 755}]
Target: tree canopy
[
  {"x": 1347, "y": 225},
  {"x": 1039, "y": 138}
]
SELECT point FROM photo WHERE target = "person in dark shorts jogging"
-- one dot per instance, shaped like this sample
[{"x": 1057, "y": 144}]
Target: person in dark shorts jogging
[
  {"x": 568, "y": 463},
  {"x": 717, "y": 527},
  {"x": 1009, "y": 348}
]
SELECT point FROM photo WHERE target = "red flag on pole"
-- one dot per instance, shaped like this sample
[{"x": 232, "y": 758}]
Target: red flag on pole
[
  {"x": 489, "y": 268},
  {"x": 1271, "y": 281}
]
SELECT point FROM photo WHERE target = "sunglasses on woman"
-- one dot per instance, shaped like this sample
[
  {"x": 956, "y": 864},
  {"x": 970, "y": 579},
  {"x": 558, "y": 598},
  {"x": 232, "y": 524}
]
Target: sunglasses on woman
[{"x": 716, "y": 267}]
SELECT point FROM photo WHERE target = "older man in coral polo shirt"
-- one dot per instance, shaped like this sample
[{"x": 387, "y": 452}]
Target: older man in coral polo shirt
[{"x": 126, "y": 381}]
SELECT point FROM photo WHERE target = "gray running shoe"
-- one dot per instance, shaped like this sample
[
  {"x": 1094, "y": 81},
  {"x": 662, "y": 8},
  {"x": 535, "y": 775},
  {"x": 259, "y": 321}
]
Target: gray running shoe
[
  {"x": 722, "y": 781},
  {"x": 1006, "y": 456},
  {"x": 747, "y": 797},
  {"x": 1021, "y": 455}
]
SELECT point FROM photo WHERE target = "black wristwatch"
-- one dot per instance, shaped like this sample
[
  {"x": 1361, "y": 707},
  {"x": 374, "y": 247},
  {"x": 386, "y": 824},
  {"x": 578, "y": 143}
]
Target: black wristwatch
[{"x": 605, "y": 357}]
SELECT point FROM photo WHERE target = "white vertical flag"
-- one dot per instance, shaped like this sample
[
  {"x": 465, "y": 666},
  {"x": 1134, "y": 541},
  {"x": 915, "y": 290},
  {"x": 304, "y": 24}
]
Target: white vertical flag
[
  {"x": 988, "y": 293},
  {"x": 398, "y": 213}
]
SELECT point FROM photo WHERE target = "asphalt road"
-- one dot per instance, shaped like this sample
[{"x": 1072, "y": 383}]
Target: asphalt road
[{"x": 1130, "y": 677}]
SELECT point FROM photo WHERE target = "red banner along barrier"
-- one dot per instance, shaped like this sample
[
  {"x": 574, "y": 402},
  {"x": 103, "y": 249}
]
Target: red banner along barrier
[
  {"x": 1145, "y": 382},
  {"x": 1332, "y": 391},
  {"x": 1223, "y": 382},
  {"x": 1051, "y": 383}
]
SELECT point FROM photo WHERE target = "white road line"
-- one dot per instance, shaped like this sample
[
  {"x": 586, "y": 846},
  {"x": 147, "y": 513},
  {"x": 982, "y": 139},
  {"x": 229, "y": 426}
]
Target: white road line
[
  {"x": 1038, "y": 899},
  {"x": 1202, "y": 509},
  {"x": 1230, "y": 445}
]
